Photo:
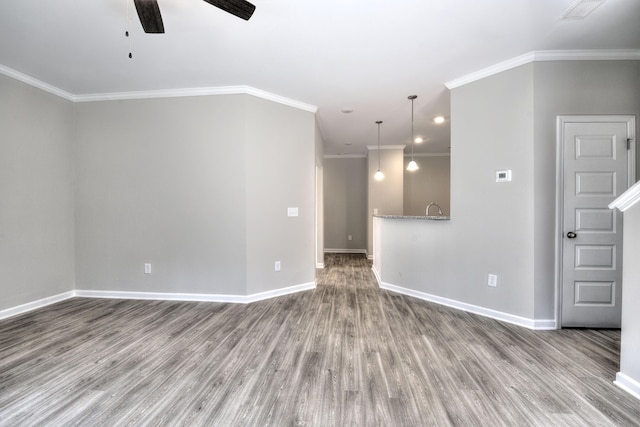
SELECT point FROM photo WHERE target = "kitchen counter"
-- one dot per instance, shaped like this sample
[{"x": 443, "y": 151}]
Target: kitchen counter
[{"x": 428, "y": 218}]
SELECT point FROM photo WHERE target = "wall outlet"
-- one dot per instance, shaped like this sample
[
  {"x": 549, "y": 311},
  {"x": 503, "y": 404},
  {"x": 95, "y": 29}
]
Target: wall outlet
[
  {"x": 276, "y": 266},
  {"x": 492, "y": 280},
  {"x": 503, "y": 176},
  {"x": 147, "y": 268},
  {"x": 292, "y": 211},
  {"x": 349, "y": 237},
  {"x": 375, "y": 211}
]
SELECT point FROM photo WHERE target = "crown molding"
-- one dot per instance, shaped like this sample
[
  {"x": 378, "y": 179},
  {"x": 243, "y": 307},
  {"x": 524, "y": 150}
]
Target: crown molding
[
  {"x": 198, "y": 91},
  {"x": 546, "y": 55},
  {"x": 428, "y": 155},
  {"x": 166, "y": 93},
  {"x": 386, "y": 147},
  {"x": 345, "y": 156},
  {"x": 16, "y": 75},
  {"x": 280, "y": 99}
]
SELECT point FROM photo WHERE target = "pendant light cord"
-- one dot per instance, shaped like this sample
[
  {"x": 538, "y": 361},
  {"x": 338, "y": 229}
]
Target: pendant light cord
[
  {"x": 412, "y": 98},
  {"x": 412, "y": 164},
  {"x": 378, "y": 122}
]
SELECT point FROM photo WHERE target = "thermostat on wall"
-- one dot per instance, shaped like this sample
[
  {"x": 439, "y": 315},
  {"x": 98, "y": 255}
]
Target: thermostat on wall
[{"x": 503, "y": 176}]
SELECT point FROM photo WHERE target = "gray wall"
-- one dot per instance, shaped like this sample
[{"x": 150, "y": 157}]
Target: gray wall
[
  {"x": 430, "y": 183},
  {"x": 36, "y": 195},
  {"x": 319, "y": 198},
  {"x": 345, "y": 203},
  {"x": 506, "y": 121},
  {"x": 492, "y": 129},
  {"x": 387, "y": 196},
  {"x": 197, "y": 186},
  {"x": 279, "y": 159},
  {"x": 563, "y": 88},
  {"x": 161, "y": 181}
]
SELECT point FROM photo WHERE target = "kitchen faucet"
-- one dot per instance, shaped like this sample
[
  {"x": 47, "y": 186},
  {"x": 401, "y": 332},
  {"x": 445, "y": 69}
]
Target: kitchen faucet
[{"x": 436, "y": 205}]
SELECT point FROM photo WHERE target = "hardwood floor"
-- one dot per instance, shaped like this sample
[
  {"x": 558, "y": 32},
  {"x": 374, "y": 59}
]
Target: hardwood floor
[{"x": 346, "y": 353}]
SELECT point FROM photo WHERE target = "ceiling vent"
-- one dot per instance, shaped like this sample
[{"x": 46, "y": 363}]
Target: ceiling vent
[{"x": 581, "y": 9}]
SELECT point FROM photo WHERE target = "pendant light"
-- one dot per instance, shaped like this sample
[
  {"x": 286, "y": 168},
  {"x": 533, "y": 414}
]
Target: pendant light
[
  {"x": 413, "y": 166},
  {"x": 379, "y": 176}
]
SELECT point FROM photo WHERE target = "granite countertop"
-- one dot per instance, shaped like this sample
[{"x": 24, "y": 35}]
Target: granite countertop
[{"x": 429, "y": 218}]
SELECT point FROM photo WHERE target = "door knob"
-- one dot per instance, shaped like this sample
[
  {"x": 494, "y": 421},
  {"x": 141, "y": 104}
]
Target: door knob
[{"x": 571, "y": 235}]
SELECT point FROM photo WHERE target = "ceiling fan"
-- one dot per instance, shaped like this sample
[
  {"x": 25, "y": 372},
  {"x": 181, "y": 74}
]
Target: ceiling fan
[{"x": 151, "y": 20}]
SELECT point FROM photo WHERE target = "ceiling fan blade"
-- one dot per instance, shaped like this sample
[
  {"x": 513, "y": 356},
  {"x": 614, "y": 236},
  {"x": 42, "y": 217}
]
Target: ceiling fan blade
[
  {"x": 240, "y": 8},
  {"x": 149, "y": 14}
]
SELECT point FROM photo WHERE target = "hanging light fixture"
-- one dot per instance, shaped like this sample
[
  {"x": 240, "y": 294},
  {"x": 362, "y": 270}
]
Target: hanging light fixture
[
  {"x": 413, "y": 166},
  {"x": 379, "y": 176}
]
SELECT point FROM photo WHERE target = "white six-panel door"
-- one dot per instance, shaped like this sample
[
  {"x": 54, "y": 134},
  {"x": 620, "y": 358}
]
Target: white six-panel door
[{"x": 596, "y": 169}]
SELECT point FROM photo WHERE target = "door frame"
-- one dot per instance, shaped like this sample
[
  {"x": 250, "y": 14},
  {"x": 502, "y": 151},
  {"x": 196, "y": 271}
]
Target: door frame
[{"x": 630, "y": 119}]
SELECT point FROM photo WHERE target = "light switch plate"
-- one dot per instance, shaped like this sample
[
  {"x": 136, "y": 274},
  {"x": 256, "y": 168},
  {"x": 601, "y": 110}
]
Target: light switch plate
[{"x": 492, "y": 280}]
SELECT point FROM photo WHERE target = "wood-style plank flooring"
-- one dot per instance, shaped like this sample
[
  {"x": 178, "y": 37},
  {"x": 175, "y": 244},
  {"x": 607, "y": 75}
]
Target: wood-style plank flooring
[{"x": 344, "y": 354}]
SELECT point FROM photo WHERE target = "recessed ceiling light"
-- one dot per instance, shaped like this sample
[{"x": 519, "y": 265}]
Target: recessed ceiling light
[
  {"x": 418, "y": 140},
  {"x": 581, "y": 9},
  {"x": 438, "y": 120},
  {"x": 347, "y": 110}
]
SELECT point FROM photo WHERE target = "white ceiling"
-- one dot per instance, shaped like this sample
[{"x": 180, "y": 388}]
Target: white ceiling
[{"x": 368, "y": 55}]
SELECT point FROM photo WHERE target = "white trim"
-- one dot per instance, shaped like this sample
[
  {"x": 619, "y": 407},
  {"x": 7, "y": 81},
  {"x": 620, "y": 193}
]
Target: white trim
[
  {"x": 628, "y": 384},
  {"x": 588, "y": 55},
  {"x": 33, "y": 305},
  {"x": 10, "y": 72},
  {"x": 376, "y": 274},
  {"x": 344, "y": 251},
  {"x": 320, "y": 265},
  {"x": 238, "y": 299},
  {"x": 546, "y": 55},
  {"x": 198, "y": 91},
  {"x": 280, "y": 292},
  {"x": 537, "y": 324},
  {"x": 408, "y": 155},
  {"x": 345, "y": 156},
  {"x": 163, "y": 93},
  {"x": 627, "y": 199},
  {"x": 491, "y": 70},
  {"x": 280, "y": 99},
  {"x": 386, "y": 147}
]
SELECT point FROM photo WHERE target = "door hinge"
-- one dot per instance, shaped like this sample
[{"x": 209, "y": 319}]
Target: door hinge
[{"x": 629, "y": 141}]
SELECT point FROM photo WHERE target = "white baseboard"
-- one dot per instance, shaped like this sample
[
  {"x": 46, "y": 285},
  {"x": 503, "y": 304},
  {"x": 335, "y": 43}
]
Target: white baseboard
[
  {"x": 23, "y": 308},
  {"x": 239, "y": 299},
  {"x": 280, "y": 292},
  {"x": 166, "y": 296},
  {"x": 542, "y": 324},
  {"x": 170, "y": 296},
  {"x": 344, "y": 251},
  {"x": 377, "y": 275},
  {"x": 628, "y": 384},
  {"x": 320, "y": 265}
]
